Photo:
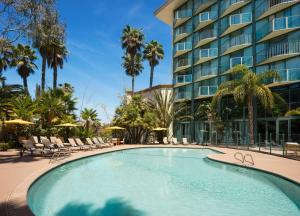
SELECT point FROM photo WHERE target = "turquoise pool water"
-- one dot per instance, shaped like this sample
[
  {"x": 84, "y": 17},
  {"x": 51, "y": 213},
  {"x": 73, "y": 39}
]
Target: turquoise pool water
[{"x": 162, "y": 182}]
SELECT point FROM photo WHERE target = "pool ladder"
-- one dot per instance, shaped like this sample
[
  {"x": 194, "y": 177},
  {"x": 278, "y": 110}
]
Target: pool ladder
[{"x": 244, "y": 158}]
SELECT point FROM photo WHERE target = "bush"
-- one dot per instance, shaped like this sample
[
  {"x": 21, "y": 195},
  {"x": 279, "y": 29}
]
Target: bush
[{"x": 4, "y": 146}]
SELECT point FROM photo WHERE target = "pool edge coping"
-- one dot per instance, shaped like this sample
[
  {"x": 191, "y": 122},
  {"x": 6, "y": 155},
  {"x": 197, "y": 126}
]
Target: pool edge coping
[{"x": 20, "y": 193}]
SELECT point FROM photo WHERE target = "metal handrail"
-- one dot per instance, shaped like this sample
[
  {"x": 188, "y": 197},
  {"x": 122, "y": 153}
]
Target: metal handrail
[
  {"x": 239, "y": 159},
  {"x": 243, "y": 158},
  {"x": 250, "y": 156}
]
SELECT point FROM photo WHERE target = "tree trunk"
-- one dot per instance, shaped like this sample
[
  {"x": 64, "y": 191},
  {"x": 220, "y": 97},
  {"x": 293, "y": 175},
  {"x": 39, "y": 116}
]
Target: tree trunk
[
  {"x": 55, "y": 73},
  {"x": 151, "y": 76},
  {"x": 43, "y": 74},
  {"x": 25, "y": 85},
  {"x": 132, "y": 85},
  {"x": 250, "y": 119}
]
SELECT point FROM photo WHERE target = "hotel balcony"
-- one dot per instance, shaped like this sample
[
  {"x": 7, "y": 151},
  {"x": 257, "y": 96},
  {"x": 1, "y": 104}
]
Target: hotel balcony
[
  {"x": 183, "y": 96},
  {"x": 206, "y": 91},
  {"x": 233, "y": 5},
  {"x": 205, "y": 55},
  {"x": 182, "y": 16},
  {"x": 182, "y": 32},
  {"x": 206, "y": 18},
  {"x": 276, "y": 6},
  {"x": 281, "y": 51},
  {"x": 238, "y": 42},
  {"x": 181, "y": 80},
  {"x": 281, "y": 26},
  {"x": 246, "y": 60},
  {"x": 202, "y": 5},
  {"x": 183, "y": 64},
  {"x": 206, "y": 37},
  {"x": 286, "y": 76},
  {"x": 206, "y": 73},
  {"x": 238, "y": 21},
  {"x": 182, "y": 48}
]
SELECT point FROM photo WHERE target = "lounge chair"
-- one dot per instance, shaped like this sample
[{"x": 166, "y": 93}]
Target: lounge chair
[
  {"x": 185, "y": 141},
  {"x": 174, "y": 141},
  {"x": 36, "y": 143},
  {"x": 73, "y": 144},
  {"x": 80, "y": 143},
  {"x": 47, "y": 144},
  {"x": 29, "y": 146},
  {"x": 59, "y": 144},
  {"x": 103, "y": 143},
  {"x": 67, "y": 145},
  {"x": 165, "y": 141},
  {"x": 90, "y": 143},
  {"x": 97, "y": 143},
  {"x": 122, "y": 141}
]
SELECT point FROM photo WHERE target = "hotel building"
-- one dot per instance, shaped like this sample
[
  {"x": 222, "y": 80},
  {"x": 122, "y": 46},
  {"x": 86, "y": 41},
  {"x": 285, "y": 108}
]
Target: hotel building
[{"x": 210, "y": 37}]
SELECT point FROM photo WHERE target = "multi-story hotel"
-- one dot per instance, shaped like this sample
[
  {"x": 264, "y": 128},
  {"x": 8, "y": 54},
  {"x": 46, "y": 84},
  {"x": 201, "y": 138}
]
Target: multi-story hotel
[{"x": 210, "y": 37}]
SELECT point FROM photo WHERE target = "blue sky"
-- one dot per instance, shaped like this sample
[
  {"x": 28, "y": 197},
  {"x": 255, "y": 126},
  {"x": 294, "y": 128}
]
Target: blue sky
[{"x": 93, "y": 38}]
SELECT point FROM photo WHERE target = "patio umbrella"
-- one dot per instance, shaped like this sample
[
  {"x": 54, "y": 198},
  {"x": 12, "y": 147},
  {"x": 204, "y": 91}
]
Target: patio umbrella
[
  {"x": 67, "y": 126},
  {"x": 17, "y": 122},
  {"x": 114, "y": 129},
  {"x": 160, "y": 129}
]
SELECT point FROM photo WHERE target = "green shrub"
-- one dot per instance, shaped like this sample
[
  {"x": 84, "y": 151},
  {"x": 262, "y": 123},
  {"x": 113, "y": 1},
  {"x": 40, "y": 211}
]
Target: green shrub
[{"x": 4, "y": 146}]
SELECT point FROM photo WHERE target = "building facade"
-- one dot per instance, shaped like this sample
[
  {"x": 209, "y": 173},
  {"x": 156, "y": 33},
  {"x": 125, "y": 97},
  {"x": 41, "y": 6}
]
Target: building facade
[{"x": 210, "y": 37}]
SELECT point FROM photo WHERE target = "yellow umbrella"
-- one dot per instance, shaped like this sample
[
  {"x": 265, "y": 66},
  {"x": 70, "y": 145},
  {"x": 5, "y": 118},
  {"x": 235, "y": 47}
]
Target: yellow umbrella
[
  {"x": 18, "y": 122},
  {"x": 115, "y": 128},
  {"x": 160, "y": 129},
  {"x": 67, "y": 125}
]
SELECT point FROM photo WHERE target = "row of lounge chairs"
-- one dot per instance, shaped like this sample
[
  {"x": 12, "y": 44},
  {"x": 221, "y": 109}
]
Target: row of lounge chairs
[
  {"x": 174, "y": 141},
  {"x": 47, "y": 146}
]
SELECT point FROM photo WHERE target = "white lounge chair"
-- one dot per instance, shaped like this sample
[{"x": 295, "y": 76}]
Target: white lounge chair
[
  {"x": 80, "y": 143},
  {"x": 73, "y": 144},
  {"x": 165, "y": 140},
  {"x": 174, "y": 141},
  {"x": 90, "y": 143},
  {"x": 97, "y": 143},
  {"x": 36, "y": 143},
  {"x": 103, "y": 143},
  {"x": 185, "y": 141},
  {"x": 47, "y": 144}
]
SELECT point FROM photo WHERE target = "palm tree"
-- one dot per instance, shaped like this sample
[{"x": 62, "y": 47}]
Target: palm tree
[
  {"x": 23, "y": 107},
  {"x": 23, "y": 59},
  {"x": 89, "y": 116},
  {"x": 59, "y": 54},
  {"x": 245, "y": 88},
  {"x": 133, "y": 67},
  {"x": 153, "y": 53},
  {"x": 294, "y": 112},
  {"x": 132, "y": 40},
  {"x": 162, "y": 105},
  {"x": 132, "y": 43}
]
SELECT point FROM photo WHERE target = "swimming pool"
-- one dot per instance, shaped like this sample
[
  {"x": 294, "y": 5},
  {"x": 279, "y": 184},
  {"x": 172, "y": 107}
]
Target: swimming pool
[{"x": 160, "y": 181}]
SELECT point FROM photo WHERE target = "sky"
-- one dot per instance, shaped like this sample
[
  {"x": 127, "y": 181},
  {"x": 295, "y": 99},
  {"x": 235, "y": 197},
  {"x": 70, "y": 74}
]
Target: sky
[{"x": 93, "y": 67}]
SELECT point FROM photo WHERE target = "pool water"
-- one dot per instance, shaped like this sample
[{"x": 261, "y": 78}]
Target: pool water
[{"x": 163, "y": 182}]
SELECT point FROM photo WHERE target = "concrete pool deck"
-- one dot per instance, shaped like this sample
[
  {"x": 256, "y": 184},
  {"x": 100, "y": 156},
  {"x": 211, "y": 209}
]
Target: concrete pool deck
[{"x": 17, "y": 174}]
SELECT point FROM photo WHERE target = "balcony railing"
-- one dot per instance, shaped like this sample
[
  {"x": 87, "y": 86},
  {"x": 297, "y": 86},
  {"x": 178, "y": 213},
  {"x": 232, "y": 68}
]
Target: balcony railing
[
  {"x": 183, "y": 95},
  {"x": 246, "y": 60},
  {"x": 284, "y": 49},
  {"x": 183, "y": 79},
  {"x": 181, "y": 14},
  {"x": 289, "y": 22},
  {"x": 206, "y": 16},
  {"x": 206, "y": 71},
  {"x": 243, "y": 39},
  {"x": 183, "y": 46},
  {"x": 208, "y": 53},
  {"x": 273, "y": 3},
  {"x": 183, "y": 62},
  {"x": 186, "y": 29},
  {"x": 207, "y": 90},
  {"x": 207, "y": 34},
  {"x": 292, "y": 74},
  {"x": 242, "y": 18}
]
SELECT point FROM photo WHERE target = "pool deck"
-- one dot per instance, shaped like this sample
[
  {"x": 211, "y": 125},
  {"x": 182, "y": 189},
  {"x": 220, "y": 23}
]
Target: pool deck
[{"x": 17, "y": 174}]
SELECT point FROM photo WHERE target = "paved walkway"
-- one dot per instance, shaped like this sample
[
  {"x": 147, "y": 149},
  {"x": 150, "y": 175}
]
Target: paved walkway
[{"x": 17, "y": 174}]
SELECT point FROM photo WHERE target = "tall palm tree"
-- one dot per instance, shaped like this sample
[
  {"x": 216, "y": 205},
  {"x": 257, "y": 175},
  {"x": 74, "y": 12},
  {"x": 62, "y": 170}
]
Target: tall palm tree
[
  {"x": 132, "y": 43},
  {"x": 23, "y": 107},
  {"x": 23, "y": 59},
  {"x": 89, "y": 116},
  {"x": 133, "y": 67},
  {"x": 153, "y": 52},
  {"x": 132, "y": 40},
  {"x": 245, "y": 88},
  {"x": 59, "y": 54}
]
